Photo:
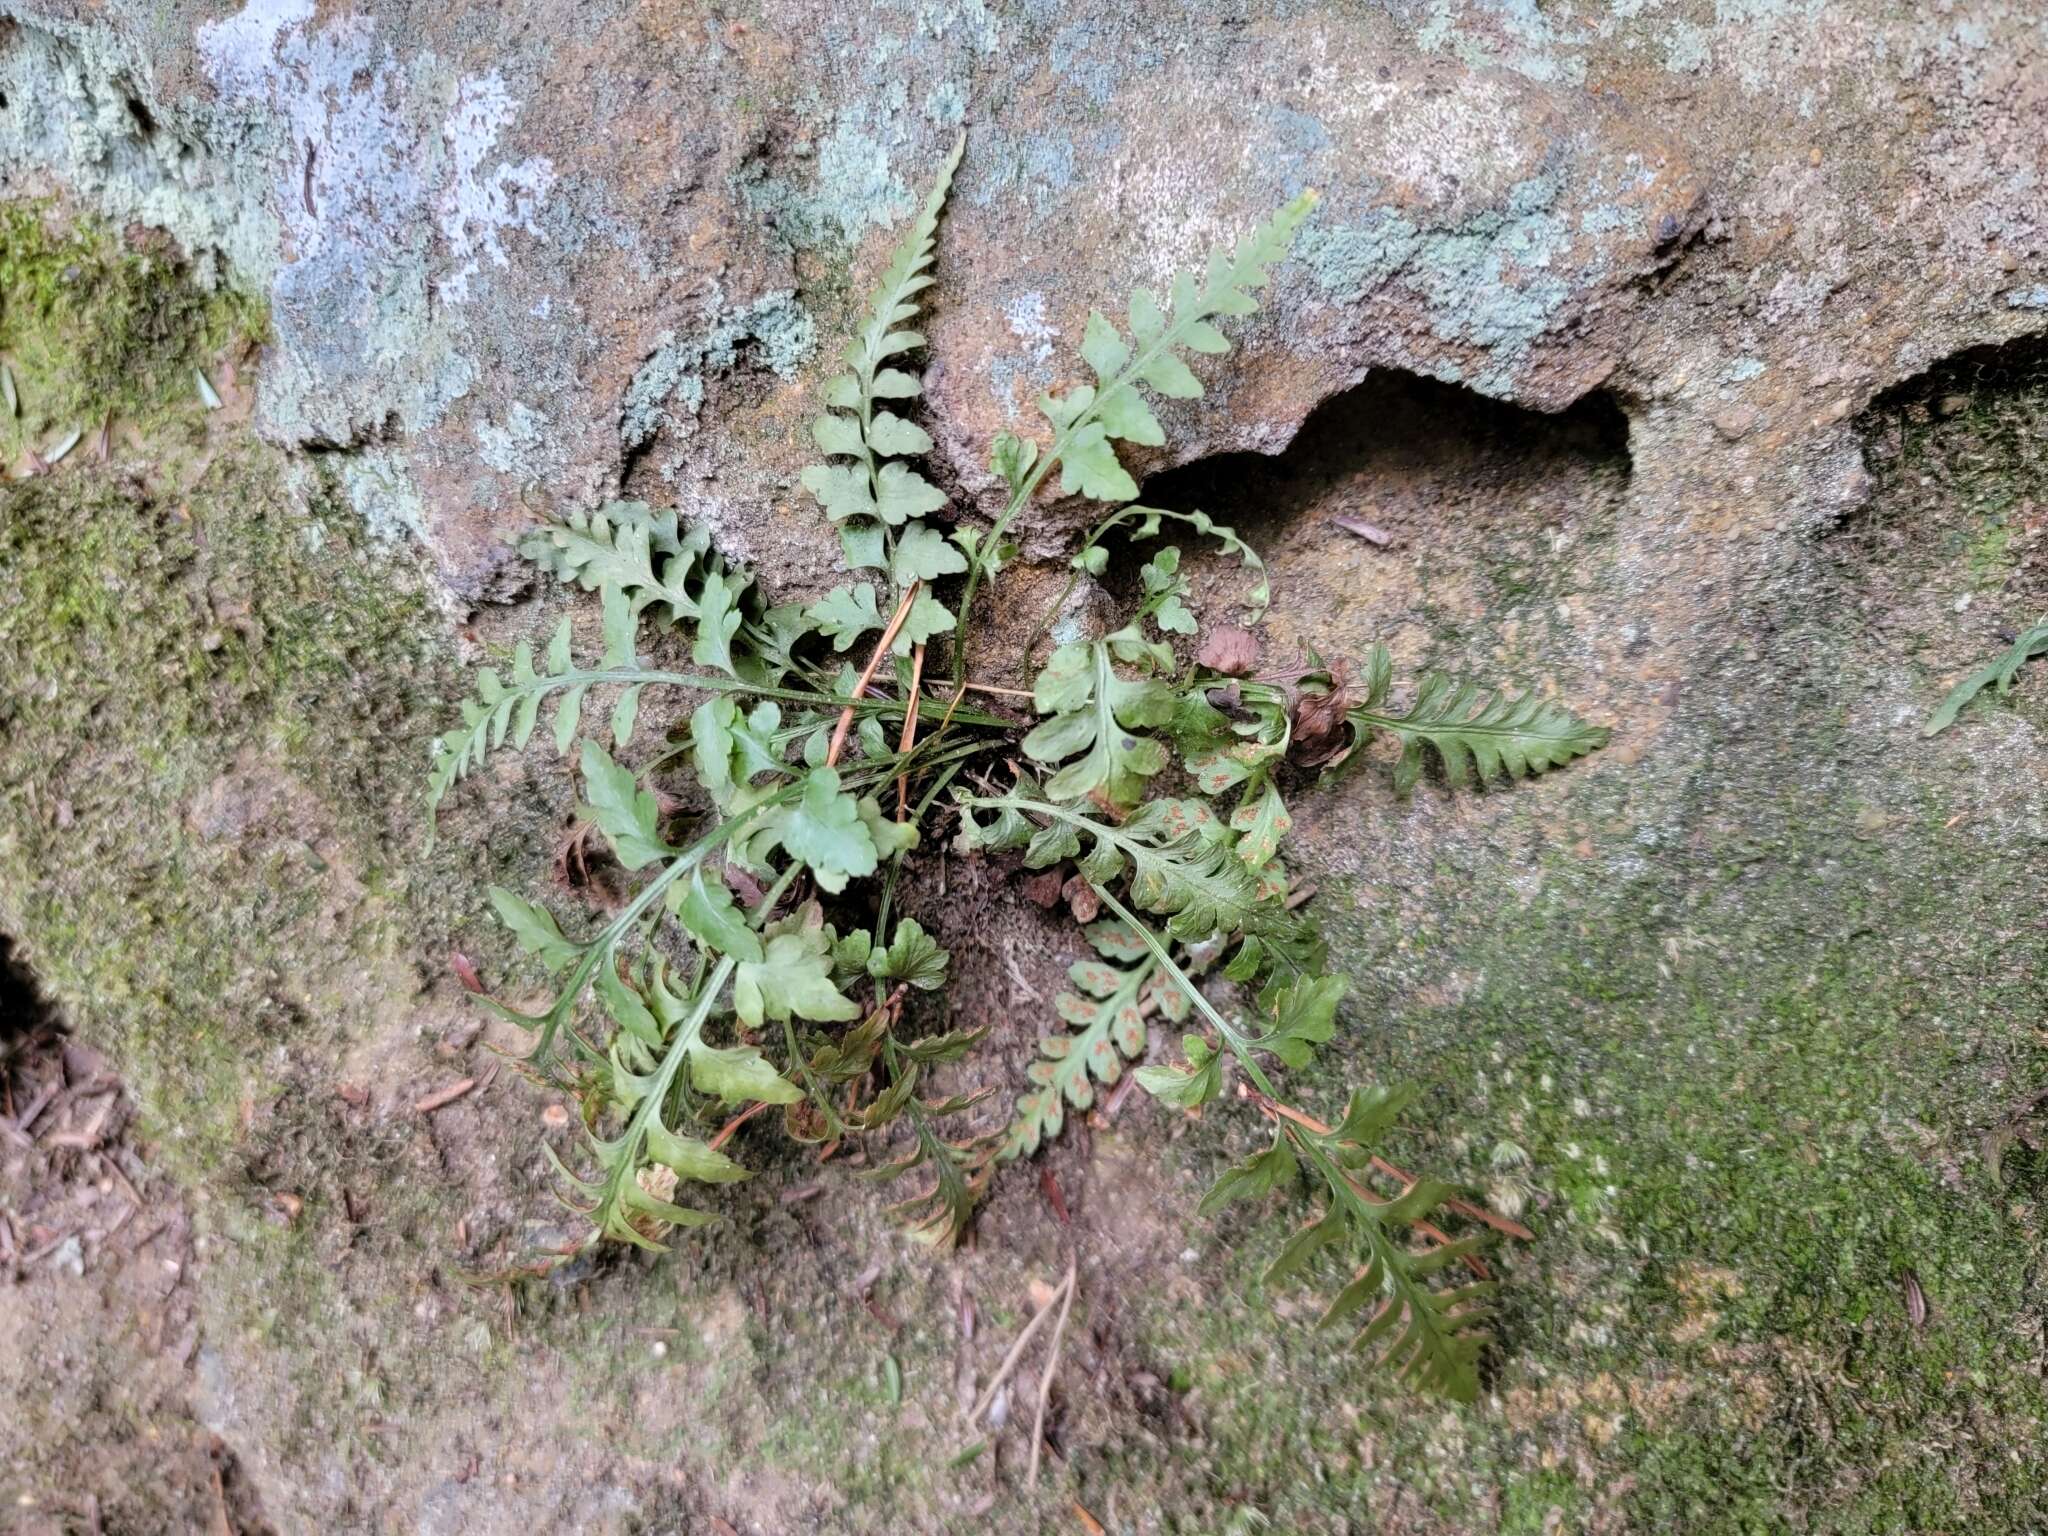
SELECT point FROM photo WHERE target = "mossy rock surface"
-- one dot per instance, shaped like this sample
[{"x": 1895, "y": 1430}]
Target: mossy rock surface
[{"x": 1744, "y": 1012}]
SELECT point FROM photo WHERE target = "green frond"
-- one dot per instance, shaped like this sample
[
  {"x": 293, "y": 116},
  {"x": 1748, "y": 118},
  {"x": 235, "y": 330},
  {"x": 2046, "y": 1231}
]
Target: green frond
[
  {"x": 1430, "y": 1338},
  {"x": 1427, "y": 1334},
  {"x": 959, "y": 1169},
  {"x": 623, "y": 544},
  {"x": 1481, "y": 736},
  {"x": 877, "y": 492},
  {"x": 1140, "y": 522},
  {"x": 632, "y": 1203},
  {"x": 1089, "y": 419},
  {"x": 1107, "y": 1008},
  {"x": 2000, "y": 672},
  {"x": 1147, "y": 353},
  {"x": 1097, "y": 714},
  {"x": 1182, "y": 862},
  {"x": 502, "y": 711}
]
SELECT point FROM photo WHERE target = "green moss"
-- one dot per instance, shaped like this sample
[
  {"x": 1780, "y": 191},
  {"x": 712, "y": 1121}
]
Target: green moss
[
  {"x": 1754, "y": 1004},
  {"x": 93, "y": 325},
  {"x": 209, "y": 737}
]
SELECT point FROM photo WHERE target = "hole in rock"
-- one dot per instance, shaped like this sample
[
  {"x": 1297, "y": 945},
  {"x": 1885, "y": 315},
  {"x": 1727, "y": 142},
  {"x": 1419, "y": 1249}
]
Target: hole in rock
[
  {"x": 1405, "y": 499},
  {"x": 1958, "y": 460},
  {"x": 22, "y": 1008},
  {"x": 1403, "y": 454},
  {"x": 1984, "y": 409}
]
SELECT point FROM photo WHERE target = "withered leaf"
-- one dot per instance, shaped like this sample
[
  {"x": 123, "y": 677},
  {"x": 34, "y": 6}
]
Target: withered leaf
[
  {"x": 1916, "y": 1299},
  {"x": 1230, "y": 650},
  {"x": 1082, "y": 900},
  {"x": 1319, "y": 730},
  {"x": 465, "y": 971}
]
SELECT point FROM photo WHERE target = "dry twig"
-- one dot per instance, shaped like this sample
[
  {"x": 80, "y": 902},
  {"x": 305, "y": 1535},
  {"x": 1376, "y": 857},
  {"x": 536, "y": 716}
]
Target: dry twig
[
  {"x": 903, "y": 743},
  {"x": 444, "y": 1097},
  {"x": 1010, "y": 1360},
  {"x": 1052, "y": 1362},
  {"x": 867, "y": 675}
]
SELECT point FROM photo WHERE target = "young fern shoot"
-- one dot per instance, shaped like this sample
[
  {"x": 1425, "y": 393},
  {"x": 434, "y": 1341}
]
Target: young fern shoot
[{"x": 757, "y": 959}]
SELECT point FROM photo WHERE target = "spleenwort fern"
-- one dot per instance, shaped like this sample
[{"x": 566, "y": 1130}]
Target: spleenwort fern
[
  {"x": 2001, "y": 672},
  {"x": 718, "y": 986},
  {"x": 1475, "y": 735},
  {"x": 874, "y": 496},
  {"x": 1086, "y": 418},
  {"x": 1112, "y": 998}
]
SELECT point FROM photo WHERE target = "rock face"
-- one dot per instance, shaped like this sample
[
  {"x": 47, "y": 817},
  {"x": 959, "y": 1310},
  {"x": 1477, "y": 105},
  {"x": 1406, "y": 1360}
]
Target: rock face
[
  {"x": 523, "y": 255},
  {"x": 1689, "y": 354}
]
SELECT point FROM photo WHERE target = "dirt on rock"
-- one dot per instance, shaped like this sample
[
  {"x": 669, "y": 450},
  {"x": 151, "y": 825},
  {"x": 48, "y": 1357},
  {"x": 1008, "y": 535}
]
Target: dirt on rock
[{"x": 99, "y": 1334}]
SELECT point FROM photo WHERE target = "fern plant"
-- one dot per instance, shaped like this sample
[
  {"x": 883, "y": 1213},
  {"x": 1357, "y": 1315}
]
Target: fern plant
[
  {"x": 757, "y": 959},
  {"x": 2000, "y": 672}
]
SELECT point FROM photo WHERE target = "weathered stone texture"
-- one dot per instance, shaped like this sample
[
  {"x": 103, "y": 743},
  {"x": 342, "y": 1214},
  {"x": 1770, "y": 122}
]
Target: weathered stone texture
[
  {"x": 519, "y": 255},
  {"x": 1618, "y": 317}
]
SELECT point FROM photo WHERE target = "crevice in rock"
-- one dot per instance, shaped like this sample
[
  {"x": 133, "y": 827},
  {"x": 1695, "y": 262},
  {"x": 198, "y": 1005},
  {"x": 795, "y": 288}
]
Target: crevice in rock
[
  {"x": 1995, "y": 379},
  {"x": 1382, "y": 451},
  {"x": 23, "y": 1009},
  {"x": 1959, "y": 451}
]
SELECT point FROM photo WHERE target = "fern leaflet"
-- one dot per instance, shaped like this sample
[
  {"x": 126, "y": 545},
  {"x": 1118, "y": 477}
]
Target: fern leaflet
[
  {"x": 1096, "y": 713},
  {"x": 1477, "y": 735},
  {"x": 960, "y": 1168},
  {"x": 876, "y": 499},
  {"x": 2001, "y": 671},
  {"x": 1112, "y": 997},
  {"x": 1086, "y": 418},
  {"x": 1429, "y": 1338}
]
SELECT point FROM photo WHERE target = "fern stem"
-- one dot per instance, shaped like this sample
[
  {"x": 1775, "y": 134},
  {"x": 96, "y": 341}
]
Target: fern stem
[
  {"x": 626, "y": 1167},
  {"x": 600, "y": 950},
  {"x": 1240, "y": 1044},
  {"x": 868, "y": 673},
  {"x": 642, "y": 676},
  {"x": 909, "y": 736}
]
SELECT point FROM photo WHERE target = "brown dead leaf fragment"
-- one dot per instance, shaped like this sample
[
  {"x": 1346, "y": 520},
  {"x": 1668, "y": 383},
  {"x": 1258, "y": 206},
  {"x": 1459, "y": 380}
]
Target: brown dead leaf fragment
[
  {"x": 1050, "y": 1186},
  {"x": 1319, "y": 729},
  {"x": 1089, "y": 1523},
  {"x": 1378, "y": 537},
  {"x": 444, "y": 1097},
  {"x": 1230, "y": 650},
  {"x": 1916, "y": 1299},
  {"x": 465, "y": 971},
  {"x": 743, "y": 885}
]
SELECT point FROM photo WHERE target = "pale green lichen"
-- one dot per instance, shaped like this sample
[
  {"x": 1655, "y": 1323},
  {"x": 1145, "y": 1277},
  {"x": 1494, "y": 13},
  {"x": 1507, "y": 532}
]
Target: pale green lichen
[
  {"x": 850, "y": 187},
  {"x": 775, "y": 327},
  {"x": 1487, "y": 281}
]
